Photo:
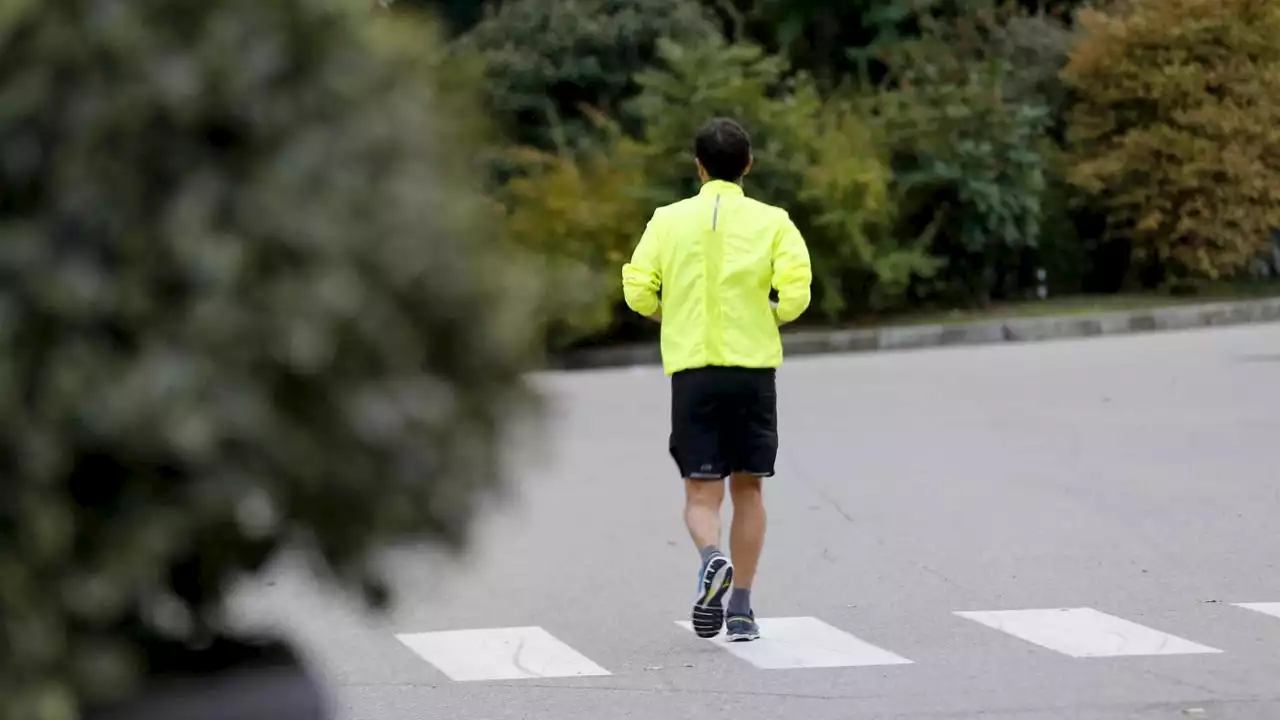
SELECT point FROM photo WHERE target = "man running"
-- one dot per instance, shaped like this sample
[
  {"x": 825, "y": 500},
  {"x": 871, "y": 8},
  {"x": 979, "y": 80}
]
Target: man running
[{"x": 714, "y": 257}]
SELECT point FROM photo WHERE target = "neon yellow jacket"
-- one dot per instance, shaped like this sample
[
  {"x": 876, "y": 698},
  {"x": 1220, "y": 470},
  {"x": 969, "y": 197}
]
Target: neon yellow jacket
[{"x": 714, "y": 257}]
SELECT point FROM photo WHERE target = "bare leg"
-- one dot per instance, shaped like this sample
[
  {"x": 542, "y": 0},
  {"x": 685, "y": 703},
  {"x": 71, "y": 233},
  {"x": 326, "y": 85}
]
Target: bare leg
[
  {"x": 702, "y": 515},
  {"x": 746, "y": 535},
  {"x": 702, "y": 511}
]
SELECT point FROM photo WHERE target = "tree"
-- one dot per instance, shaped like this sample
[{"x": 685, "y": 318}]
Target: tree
[
  {"x": 970, "y": 173},
  {"x": 965, "y": 114},
  {"x": 250, "y": 300},
  {"x": 459, "y": 15},
  {"x": 841, "y": 41},
  {"x": 551, "y": 63},
  {"x": 831, "y": 41},
  {"x": 1030, "y": 48},
  {"x": 1176, "y": 132}
]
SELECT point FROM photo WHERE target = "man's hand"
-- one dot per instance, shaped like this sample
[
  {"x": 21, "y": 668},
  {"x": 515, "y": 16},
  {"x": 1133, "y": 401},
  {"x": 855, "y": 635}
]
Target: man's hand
[{"x": 657, "y": 315}]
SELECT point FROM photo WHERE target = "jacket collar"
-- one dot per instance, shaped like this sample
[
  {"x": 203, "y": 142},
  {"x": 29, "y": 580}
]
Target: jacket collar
[{"x": 720, "y": 187}]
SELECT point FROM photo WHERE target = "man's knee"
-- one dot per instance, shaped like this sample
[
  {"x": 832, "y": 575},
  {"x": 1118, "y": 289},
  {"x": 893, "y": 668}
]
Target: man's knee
[
  {"x": 746, "y": 487},
  {"x": 707, "y": 492}
]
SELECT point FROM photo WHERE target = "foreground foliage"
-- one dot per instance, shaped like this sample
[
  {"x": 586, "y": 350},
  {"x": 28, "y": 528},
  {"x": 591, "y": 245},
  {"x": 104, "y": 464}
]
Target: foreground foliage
[{"x": 248, "y": 299}]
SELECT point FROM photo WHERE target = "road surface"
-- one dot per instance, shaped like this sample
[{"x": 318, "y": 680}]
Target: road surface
[{"x": 1084, "y": 530}]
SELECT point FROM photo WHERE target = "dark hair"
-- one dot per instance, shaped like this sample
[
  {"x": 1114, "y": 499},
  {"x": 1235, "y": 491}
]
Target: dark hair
[{"x": 724, "y": 149}]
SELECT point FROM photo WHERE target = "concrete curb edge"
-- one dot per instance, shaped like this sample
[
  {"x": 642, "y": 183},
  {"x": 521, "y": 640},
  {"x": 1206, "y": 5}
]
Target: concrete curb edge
[{"x": 1030, "y": 329}]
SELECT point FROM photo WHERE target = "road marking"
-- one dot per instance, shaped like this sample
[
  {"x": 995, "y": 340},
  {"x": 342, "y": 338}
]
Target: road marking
[
  {"x": 1085, "y": 633},
  {"x": 804, "y": 642},
  {"x": 515, "y": 653},
  {"x": 1267, "y": 608}
]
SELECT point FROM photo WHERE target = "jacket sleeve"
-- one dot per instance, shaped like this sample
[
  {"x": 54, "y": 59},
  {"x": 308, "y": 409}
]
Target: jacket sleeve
[
  {"x": 792, "y": 272},
  {"x": 642, "y": 277}
]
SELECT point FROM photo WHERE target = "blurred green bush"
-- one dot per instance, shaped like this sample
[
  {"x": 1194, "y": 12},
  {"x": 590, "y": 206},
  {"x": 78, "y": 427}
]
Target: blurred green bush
[{"x": 251, "y": 296}]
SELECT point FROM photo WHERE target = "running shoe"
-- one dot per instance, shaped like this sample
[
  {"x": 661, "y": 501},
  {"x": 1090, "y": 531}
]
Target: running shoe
[
  {"x": 741, "y": 628},
  {"x": 714, "y": 580}
]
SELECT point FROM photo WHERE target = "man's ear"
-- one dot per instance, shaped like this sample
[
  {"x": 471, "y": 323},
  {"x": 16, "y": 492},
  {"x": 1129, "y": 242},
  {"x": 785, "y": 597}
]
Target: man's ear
[{"x": 751, "y": 159}]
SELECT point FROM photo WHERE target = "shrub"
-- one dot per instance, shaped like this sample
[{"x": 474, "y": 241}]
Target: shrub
[
  {"x": 581, "y": 213},
  {"x": 577, "y": 216},
  {"x": 971, "y": 170},
  {"x": 692, "y": 83},
  {"x": 845, "y": 204},
  {"x": 1176, "y": 133},
  {"x": 248, "y": 299}
]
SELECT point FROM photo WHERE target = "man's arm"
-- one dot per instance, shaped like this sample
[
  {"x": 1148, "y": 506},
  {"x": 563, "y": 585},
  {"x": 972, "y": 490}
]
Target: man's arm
[
  {"x": 642, "y": 277},
  {"x": 792, "y": 273}
]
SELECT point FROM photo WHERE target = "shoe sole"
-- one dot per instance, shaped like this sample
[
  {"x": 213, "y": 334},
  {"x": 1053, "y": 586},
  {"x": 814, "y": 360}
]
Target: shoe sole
[
  {"x": 742, "y": 637},
  {"x": 708, "y": 609}
]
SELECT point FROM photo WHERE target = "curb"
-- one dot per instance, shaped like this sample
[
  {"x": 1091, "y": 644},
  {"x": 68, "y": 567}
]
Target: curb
[{"x": 986, "y": 332}]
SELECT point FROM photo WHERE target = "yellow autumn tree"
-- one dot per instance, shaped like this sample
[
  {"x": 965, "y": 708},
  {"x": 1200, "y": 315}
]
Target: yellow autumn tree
[{"x": 1176, "y": 131}]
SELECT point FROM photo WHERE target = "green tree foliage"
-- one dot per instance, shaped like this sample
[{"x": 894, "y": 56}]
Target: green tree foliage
[
  {"x": 549, "y": 63},
  {"x": 1031, "y": 46},
  {"x": 828, "y": 40},
  {"x": 1036, "y": 48},
  {"x": 841, "y": 41},
  {"x": 582, "y": 212},
  {"x": 970, "y": 176},
  {"x": 1176, "y": 134},
  {"x": 817, "y": 158},
  {"x": 966, "y": 114},
  {"x": 248, "y": 299},
  {"x": 967, "y": 126},
  {"x": 458, "y": 15},
  {"x": 692, "y": 83}
]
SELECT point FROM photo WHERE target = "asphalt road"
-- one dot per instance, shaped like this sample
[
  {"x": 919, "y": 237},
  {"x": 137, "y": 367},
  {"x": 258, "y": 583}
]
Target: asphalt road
[{"x": 1134, "y": 476}]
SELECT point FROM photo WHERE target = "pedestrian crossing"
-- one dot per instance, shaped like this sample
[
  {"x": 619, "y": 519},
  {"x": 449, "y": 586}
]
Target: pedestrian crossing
[
  {"x": 805, "y": 642},
  {"x": 500, "y": 654},
  {"x": 1267, "y": 608},
  {"x": 790, "y": 643},
  {"x": 1086, "y": 633}
]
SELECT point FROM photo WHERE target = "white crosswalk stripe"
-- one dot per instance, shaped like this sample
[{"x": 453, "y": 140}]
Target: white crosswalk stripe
[
  {"x": 1085, "y": 633},
  {"x": 515, "y": 653},
  {"x": 500, "y": 654},
  {"x": 805, "y": 642},
  {"x": 1266, "y": 608}
]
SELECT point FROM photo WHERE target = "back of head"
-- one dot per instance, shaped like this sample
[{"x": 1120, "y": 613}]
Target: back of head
[{"x": 723, "y": 147}]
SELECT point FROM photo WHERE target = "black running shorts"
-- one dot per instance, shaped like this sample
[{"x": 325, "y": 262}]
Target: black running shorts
[{"x": 724, "y": 420}]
